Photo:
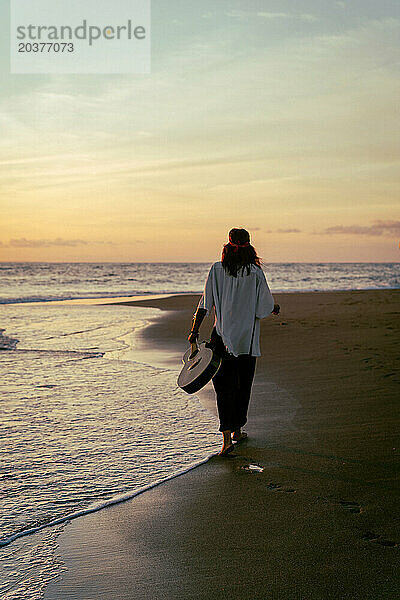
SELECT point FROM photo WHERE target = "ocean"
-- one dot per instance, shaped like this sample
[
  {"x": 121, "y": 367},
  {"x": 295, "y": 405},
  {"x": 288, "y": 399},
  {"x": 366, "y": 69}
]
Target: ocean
[
  {"x": 84, "y": 423},
  {"x": 33, "y": 282}
]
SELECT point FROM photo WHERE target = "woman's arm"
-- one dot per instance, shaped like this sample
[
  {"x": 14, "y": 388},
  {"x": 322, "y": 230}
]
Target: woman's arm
[
  {"x": 197, "y": 321},
  {"x": 264, "y": 302},
  {"x": 205, "y": 305}
]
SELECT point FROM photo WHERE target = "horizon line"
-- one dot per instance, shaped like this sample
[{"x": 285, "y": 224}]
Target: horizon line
[{"x": 113, "y": 262}]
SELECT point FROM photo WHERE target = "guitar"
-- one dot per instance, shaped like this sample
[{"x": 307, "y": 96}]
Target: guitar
[{"x": 200, "y": 364}]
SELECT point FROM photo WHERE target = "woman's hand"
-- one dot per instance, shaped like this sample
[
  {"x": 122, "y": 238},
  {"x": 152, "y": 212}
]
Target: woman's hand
[
  {"x": 276, "y": 310},
  {"x": 193, "y": 337}
]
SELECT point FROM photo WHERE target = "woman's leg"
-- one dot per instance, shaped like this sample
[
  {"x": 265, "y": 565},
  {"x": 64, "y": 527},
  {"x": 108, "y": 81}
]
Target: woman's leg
[
  {"x": 225, "y": 383},
  {"x": 246, "y": 369},
  {"x": 232, "y": 385}
]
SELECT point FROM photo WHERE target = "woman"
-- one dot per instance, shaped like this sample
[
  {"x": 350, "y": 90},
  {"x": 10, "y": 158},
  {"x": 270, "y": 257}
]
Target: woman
[{"x": 237, "y": 290}]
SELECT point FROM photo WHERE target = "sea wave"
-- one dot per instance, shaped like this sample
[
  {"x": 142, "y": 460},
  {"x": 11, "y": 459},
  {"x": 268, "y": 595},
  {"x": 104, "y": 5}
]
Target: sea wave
[
  {"x": 100, "y": 505},
  {"x": 80, "y": 435},
  {"x": 47, "y": 282},
  {"x": 90, "y": 296},
  {"x": 63, "y": 414}
]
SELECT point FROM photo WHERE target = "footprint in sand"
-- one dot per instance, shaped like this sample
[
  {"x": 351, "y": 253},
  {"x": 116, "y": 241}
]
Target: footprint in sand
[
  {"x": 274, "y": 487},
  {"x": 350, "y": 506},
  {"x": 370, "y": 536},
  {"x": 277, "y": 487}
]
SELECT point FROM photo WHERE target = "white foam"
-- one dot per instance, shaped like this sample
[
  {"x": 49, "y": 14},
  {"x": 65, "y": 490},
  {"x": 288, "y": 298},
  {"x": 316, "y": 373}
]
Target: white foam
[
  {"x": 100, "y": 505},
  {"x": 109, "y": 429},
  {"x": 255, "y": 468},
  {"x": 7, "y": 343},
  {"x": 83, "y": 435}
]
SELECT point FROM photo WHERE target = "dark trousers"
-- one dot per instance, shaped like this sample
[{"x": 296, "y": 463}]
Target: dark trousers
[{"x": 232, "y": 385}]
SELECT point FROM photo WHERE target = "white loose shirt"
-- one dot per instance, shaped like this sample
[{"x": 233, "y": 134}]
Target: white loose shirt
[{"x": 240, "y": 302}]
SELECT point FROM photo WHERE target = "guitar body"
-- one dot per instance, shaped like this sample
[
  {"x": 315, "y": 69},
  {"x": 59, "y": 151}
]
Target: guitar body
[{"x": 200, "y": 365}]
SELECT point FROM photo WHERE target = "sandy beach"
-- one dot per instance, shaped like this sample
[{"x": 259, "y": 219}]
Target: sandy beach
[{"x": 306, "y": 509}]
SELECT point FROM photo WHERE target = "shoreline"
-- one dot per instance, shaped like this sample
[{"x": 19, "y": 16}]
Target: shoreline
[
  {"x": 317, "y": 522},
  {"x": 131, "y": 300},
  {"x": 101, "y": 301}
]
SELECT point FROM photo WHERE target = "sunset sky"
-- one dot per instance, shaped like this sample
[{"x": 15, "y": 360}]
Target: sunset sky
[{"x": 278, "y": 116}]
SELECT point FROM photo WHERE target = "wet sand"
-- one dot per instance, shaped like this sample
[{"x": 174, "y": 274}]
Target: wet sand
[{"x": 305, "y": 509}]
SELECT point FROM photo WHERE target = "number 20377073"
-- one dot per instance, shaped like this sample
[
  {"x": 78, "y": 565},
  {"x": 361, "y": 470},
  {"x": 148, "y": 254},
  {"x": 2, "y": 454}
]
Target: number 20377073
[{"x": 45, "y": 47}]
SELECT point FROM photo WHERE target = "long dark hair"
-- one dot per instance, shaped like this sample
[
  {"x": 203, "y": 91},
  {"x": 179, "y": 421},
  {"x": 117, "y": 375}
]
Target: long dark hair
[{"x": 238, "y": 254}]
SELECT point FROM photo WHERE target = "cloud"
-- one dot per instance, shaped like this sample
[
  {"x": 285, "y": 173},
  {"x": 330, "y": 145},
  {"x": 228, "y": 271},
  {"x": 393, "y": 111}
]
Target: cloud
[
  {"x": 25, "y": 243},
  {"x": 377, "y": 228},
  {"x": 291, "y": 230},
  {"x": 243, "y": 14},
  {"x": 238, "y": 14},
  {"x": 40, "y": 159},
  {"x": 77, "y": 171},
  {"x": 305, "y": 17}
]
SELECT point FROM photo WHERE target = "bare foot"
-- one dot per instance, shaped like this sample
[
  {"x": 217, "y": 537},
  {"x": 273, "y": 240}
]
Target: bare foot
[
  {"x": 226, "y": 450},
  {"x": 239, "y": 436},
  {"x": 227, "y": 445}
]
